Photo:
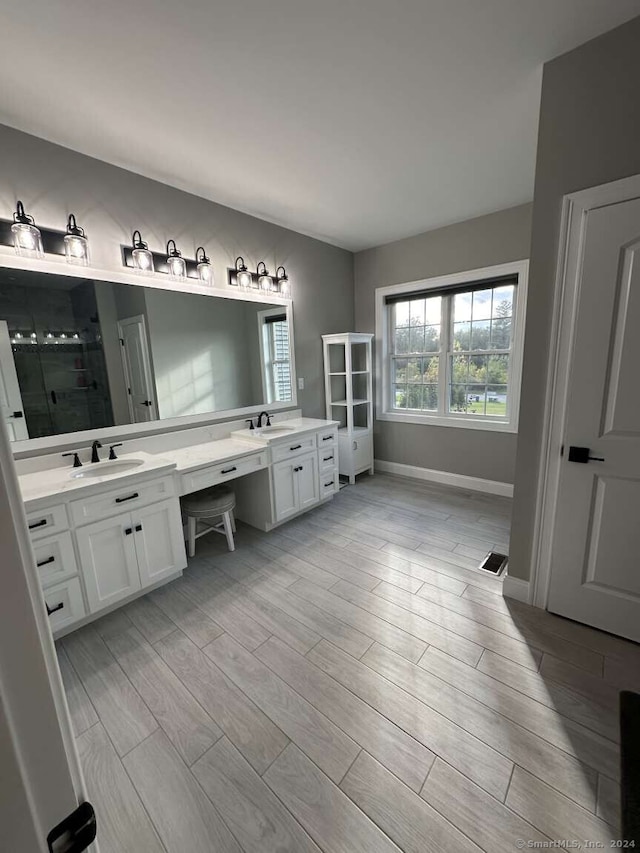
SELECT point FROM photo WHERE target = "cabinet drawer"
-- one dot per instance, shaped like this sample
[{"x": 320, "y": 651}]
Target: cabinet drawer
[
  {"x": 213, "y": 474},
  {"x": 125, "y": 498},
  {"x": 53, "y": 519},
  {"x": 327, "y": 458},
  {"x": 329, "y": 483},
  {"x": 327, "y": 438},
  {"x": 64, "y": 604},
  {"x": 293, "y": 447},
  {"x": 55, "y": 559}
]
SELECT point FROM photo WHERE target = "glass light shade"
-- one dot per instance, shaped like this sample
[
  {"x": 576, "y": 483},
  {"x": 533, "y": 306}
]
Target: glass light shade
[
  {"x": 265, "y": 283},
  {"x": 27, "y": 240},
  {"x": 177, "y": 267},
  {"x": 285, "y": 287},
  {"x": 244, "y": 279},
  {"x": 76, "y": 249},
  {"x": 142, "y": 260},
  {"x": 205, "y": 272}
]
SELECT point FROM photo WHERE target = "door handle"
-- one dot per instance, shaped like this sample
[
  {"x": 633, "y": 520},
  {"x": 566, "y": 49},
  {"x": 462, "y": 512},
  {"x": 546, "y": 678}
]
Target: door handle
[
  {"x": 53, "y": 609},
  {"x": 46, "y": 562},
  {"x": 17, "y": 415},
  {"x": 147, "y": 403},
  {"x": 581, "y": 454}
]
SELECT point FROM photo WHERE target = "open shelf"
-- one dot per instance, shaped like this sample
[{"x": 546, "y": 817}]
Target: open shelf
[
  {"x": 345, "y": 403},
  {"x": 356, "y": 429}
]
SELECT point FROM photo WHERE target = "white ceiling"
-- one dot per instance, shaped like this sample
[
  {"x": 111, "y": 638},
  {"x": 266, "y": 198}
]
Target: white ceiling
[{"x": 355, "y": 121}]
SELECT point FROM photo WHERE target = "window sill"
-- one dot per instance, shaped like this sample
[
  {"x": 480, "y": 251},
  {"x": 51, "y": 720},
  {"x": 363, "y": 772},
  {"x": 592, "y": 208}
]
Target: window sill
[{"x": 449, "y": 421}]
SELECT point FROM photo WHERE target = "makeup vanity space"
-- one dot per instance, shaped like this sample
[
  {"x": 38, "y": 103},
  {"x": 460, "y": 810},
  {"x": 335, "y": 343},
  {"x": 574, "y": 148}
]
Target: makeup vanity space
[{"x": 141, "y": 372}]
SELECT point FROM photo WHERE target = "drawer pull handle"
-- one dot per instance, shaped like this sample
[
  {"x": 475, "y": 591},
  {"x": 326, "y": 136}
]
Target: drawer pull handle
[
  {"x": 128, "y": 531},
  {"x": 46, "y": 562},
  {"x": 128, "y": 498},
  {"x": 327, "y": 437},
  {"x": 229, "y": 470},
  {"x": 138, "y": 528},
  {"x": 55, "y": 607},
  {"x": 296, "y": 447},
  {"x": 40, "y": 523},
  {"x": 327, "y": 458},
  {"x": 330, "y": 483}
]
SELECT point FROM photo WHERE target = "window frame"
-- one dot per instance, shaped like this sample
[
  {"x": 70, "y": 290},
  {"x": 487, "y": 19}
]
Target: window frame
[
  {"x": 384, "y": 396},
  {"x": 268, "y": 360}
]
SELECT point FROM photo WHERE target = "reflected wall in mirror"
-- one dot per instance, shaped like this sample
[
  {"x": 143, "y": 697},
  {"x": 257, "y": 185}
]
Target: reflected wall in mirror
[{"x": 77, "y": 354}]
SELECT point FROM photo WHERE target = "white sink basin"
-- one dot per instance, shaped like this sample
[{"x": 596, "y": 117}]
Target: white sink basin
[
  {"x": 103, "y": 469},
  {"x": 273, "y": 430}
]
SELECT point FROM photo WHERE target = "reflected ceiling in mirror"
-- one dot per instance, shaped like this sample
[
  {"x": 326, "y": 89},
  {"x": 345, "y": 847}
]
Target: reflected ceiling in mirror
[{"x": 78, "y": 354}]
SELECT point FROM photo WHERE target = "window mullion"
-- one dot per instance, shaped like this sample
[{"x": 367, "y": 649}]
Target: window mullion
[{"x": 445, "y": 338}]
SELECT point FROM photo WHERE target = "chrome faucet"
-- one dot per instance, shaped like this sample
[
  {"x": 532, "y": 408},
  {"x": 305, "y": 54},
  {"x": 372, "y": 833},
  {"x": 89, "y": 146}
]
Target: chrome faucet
[
  {"x": 268, "y": 416},
  {"x": 94, "y": 451}
]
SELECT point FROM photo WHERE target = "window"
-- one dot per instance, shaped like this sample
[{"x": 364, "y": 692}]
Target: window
[
  {"x": 451, "y": 349},
  {"x": 276, "y": 371}
]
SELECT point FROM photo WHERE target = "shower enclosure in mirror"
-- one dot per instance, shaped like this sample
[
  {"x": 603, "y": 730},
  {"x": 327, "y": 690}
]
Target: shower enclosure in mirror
[{"x": 78, "y": 354}]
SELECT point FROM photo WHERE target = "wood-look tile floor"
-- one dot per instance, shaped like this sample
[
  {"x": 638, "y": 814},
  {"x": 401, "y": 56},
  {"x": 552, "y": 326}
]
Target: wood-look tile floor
[{"x": 349, "y": 682}]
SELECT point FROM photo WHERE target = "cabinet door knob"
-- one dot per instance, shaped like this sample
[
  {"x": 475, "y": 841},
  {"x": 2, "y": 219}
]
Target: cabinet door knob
[
  {"x": 138, "y": 528},
  {"x": 128, "y": 531}
]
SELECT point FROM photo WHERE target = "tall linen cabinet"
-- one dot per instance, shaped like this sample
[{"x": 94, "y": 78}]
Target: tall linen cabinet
[{"x": 348, "y": 383}]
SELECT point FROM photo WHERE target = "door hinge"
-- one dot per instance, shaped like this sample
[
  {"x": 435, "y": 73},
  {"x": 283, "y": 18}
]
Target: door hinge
[
  {"x": 121, "y": 341},
  {"x": 129, "y": 391},
  {"x": 562, "y": 450},
  {"x": 75, "y": 833}
]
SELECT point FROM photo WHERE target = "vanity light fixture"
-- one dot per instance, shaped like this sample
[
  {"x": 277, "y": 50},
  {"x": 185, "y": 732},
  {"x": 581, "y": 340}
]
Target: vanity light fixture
[
  {"x": 27, "y": 239},
  {"x": 265, "y": 282},
  {"x": 175, "y": 262},
  {"x": 76, "y": 245},
  {"x": 141, "y": 256},
  {"x": 205, "y": 270},
  {"x": 284, "y": 285},
  {"x": 243, "y": 276}
]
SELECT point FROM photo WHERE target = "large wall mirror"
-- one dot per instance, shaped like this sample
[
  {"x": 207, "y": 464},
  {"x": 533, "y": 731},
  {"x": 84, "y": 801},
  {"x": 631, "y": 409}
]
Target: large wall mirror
[{"x": 78, "y": 354}]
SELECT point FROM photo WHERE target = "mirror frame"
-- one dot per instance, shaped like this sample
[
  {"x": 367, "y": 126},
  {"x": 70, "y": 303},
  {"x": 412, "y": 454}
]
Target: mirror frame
[{"x": 52, "y": 443}]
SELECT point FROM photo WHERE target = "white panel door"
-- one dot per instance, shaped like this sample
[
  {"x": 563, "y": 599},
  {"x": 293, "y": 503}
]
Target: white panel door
[
  {"x": 137, "y": 369},
  {"x": 11, "y": 409},
  {"x": 285, "y": 495},
  {"x": 595, "y": 571},
  {"x": 159, "y": 541},
  {"x": 307, "y": 481},
  {"x": 109, "y": 562}
]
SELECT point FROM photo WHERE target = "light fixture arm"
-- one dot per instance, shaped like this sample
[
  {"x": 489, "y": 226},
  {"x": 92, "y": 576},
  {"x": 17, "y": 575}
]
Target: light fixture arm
[
  {"x": 264, "y": 270},
  {"x": 242, "y": 266}
]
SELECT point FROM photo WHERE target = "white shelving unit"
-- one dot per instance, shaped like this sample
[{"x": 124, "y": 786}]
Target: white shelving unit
[{"x": 348, "y": 385}]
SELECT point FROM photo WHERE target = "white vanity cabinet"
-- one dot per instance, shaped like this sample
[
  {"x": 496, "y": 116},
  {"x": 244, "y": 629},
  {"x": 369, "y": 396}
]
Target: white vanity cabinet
[
  {"x": 96, "y": 551},
  {"x": 134, "y": 550},
  {"x": 295, "y": 485}
]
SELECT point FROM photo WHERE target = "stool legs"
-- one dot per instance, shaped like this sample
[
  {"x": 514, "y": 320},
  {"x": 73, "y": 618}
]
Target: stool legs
[
  {"x": 229, "y": 527},
  {"x": 233, "y": 520}
]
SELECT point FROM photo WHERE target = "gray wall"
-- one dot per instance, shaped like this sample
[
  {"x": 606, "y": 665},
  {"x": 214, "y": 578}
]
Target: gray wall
[
  {"x": 110, "y": 203},
  {"x": 487, "y": 240},
  {"x": 589, "y": 134}
]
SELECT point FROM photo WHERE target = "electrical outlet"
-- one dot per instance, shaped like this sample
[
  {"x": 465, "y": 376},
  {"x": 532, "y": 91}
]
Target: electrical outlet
[{"x": 300, "y": 383}]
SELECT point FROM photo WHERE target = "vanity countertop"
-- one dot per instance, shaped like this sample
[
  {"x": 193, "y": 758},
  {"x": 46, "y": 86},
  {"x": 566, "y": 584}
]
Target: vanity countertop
[
  {"x": 283, "y": 430},
  {"x": 210, "y": 453},
  {"x": 59, "y": 482},
  {"x": 56, "y": 482}
]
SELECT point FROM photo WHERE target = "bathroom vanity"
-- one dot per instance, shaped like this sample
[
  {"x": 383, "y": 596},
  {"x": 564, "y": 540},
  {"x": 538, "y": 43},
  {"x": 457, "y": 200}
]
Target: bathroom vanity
[{"x": 107, "y": 532}]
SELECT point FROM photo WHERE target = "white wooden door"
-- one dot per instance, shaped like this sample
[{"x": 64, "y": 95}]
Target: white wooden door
[
  {"x": 159, "y": 541},
  {"x": 137, "y": 369},
  {"x": 308, "y": 485},
  {"x": 41, "y": 780},
  {"x": 11, "y": 409},
  {"x": 108, "y": 557},
  {"x": 595, "y": 568},
  {"x": 285, "y": 495}
]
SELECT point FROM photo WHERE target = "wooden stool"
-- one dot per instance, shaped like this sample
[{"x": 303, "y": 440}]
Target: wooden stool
[{"x": 218, "y": 502}]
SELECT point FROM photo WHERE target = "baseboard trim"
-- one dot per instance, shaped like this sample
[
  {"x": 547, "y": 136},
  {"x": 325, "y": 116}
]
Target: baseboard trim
[
  {"x": 515, "y": 588},
  {"x": 446, "y": 478}
]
